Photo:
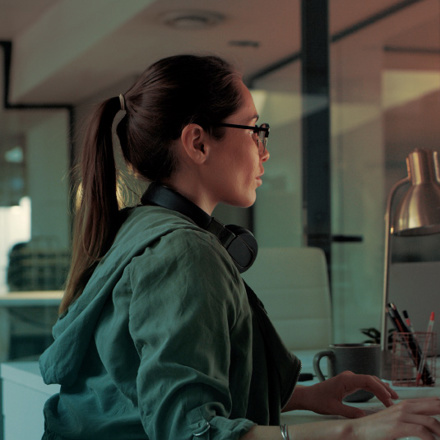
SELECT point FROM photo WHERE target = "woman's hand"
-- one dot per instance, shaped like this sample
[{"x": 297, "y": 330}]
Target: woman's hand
[
  {"x": 409, "y": 418},
  {"x": 326, "y": 397}
]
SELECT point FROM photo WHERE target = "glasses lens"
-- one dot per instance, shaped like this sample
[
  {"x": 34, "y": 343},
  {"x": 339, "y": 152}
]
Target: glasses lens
[{"x": 262, "y": 135}]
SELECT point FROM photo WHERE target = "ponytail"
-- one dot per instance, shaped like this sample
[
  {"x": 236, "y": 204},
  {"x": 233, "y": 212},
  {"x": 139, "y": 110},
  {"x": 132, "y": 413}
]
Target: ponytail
[{"x": 97, "y": 214}]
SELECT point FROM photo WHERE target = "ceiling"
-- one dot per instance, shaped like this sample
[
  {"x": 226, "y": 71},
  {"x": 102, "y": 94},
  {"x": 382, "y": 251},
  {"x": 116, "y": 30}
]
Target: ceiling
[{"x": 64, "y": 51}]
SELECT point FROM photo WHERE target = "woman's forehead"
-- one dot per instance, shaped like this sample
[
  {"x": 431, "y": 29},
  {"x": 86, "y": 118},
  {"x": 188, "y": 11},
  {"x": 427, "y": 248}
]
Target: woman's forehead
[{"x": 247, "y": 108}]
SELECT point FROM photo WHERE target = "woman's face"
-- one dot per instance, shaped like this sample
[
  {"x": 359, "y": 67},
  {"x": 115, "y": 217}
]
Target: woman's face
[{"x": 235, "y": 165}]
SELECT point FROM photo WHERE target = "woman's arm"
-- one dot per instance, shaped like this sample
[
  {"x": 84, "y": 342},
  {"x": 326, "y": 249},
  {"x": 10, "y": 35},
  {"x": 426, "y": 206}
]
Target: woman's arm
[
  {"x": 329, "y": 430},
  {"x": 189, "y": 320},
  {"x": 409, "y": 418}
]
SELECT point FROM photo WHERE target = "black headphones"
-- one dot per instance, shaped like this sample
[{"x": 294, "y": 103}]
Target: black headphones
[{"x": 239, "y": 242}]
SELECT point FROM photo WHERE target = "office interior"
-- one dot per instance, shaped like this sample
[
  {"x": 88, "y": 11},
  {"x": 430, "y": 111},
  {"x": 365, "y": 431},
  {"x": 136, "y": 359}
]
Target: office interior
[{"x": 349, "y": 88}]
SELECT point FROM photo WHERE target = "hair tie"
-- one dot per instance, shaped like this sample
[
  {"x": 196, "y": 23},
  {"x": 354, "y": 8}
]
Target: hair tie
[{"x": 122, "y": 101}]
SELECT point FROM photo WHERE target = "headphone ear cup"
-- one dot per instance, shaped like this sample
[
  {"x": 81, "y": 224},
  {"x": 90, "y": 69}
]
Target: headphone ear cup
[
  {"x": 243, "y": 248},
  {"x": 239, "y": 242}
]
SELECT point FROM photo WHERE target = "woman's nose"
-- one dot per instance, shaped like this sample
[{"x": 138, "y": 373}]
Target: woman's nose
[{"x": 265, "y": 156}]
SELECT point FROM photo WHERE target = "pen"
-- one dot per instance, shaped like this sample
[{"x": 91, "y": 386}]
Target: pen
[
  {"x": 408, "y": 321},
  {"x": 401, "y": 330},
  {"x": 431, "y": 322},
  {"x": 397, "y": 319},
  {"x": 426, "y": 380},
  {"x": 411, "y": 343}
]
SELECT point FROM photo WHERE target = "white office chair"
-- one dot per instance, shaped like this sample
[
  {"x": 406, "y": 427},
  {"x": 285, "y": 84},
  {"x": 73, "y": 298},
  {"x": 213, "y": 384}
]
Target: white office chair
[{"x": 293, "y": 285}]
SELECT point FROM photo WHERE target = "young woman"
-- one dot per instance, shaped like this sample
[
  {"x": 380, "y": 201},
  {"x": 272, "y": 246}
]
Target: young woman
[{"x": 158, "y": 337}]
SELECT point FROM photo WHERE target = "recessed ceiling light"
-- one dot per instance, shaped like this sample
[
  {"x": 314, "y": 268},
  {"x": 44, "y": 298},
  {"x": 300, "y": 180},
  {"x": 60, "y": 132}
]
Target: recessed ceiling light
[
  {"x": 192, "y": 19},
  {"x": 245, "y": 43}
]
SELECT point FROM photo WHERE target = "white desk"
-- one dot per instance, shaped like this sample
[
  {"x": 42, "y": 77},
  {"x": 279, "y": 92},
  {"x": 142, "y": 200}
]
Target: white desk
[
  {"x": 21, "y": 382},
  {"x": 43, "y": 298},
  {"x": 24, "y": 394}
]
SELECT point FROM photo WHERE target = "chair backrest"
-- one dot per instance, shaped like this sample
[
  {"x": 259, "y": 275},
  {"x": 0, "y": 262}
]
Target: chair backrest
[{"x": 293, "y": 285}]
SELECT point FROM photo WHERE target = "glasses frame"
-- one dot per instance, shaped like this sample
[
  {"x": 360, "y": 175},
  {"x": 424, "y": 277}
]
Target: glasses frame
[{"x": 262, "y": 131}]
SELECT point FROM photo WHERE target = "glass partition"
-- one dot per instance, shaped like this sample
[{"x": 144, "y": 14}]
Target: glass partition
[
  {"x": 385, "y": 84},
  {"x": 278, "y": 210},
  {"x": 35, "y": 224}
]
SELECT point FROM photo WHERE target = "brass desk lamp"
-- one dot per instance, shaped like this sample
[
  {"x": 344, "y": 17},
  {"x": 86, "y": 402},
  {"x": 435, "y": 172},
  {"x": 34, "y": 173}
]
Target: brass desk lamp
[{"x": 418, "y": 213}]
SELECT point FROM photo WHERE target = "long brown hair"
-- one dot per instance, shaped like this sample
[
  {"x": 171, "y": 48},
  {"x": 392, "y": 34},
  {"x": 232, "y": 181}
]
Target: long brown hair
[{"x": 170, "y": 94}]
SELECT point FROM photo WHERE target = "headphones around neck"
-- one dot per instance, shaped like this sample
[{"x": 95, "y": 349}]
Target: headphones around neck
[{"x": 239, "y": 242}]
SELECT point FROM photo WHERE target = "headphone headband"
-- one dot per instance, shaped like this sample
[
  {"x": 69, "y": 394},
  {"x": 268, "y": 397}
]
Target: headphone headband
[{"x": 239, "y": 242}]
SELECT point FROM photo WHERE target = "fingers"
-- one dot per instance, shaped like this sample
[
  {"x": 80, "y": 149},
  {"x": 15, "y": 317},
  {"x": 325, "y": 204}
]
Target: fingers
[
  {"x": 393, "y": 394},
  {"x": 381, "y": 390},
  {"x": 414, "y": 417},
  {"x": 424, "y": 405},
  {"x": 410, "y": 418},
  {"x": 427, "y": 421},
  {"x": 409, "y": 431}
]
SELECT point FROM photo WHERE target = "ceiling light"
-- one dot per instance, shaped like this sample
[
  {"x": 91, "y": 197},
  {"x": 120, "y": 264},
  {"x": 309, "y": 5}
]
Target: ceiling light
[
  {"x": 245, "y": 43},
  {"x": 192, "y": 19}
]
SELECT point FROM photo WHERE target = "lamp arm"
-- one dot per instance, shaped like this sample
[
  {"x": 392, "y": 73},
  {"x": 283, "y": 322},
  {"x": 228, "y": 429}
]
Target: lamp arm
[{"x": 387, "y": 261}]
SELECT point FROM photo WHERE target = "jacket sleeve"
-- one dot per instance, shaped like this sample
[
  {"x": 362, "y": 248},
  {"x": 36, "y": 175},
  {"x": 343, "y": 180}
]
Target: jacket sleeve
[{"x": 188, "y": 311}]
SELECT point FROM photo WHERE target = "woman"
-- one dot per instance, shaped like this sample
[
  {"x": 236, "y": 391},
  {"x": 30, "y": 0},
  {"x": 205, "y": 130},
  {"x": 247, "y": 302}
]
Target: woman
[{"x": 158, "y": 337}]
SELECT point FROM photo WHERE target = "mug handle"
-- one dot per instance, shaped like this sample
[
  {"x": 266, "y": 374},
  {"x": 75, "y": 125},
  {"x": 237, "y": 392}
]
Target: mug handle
[{"x": 316, "y": 361}]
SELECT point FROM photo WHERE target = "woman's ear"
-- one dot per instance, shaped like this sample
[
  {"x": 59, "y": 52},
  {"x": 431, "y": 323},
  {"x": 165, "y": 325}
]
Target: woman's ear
[{"x": 193, "y": 140}]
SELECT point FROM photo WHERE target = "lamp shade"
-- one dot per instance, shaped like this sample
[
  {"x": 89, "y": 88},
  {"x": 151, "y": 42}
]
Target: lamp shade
[{"x": 419, "y": 210}]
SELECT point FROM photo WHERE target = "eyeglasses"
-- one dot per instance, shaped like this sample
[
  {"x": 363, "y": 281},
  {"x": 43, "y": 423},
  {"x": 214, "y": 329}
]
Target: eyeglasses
[{"x": 262, "y": 132}]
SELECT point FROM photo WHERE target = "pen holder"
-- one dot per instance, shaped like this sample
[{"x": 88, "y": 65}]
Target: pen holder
[{"x": 414, "y": 358}]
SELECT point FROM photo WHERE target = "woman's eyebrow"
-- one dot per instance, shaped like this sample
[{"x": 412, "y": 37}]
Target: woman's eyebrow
[{"x": 249, "y": 120}]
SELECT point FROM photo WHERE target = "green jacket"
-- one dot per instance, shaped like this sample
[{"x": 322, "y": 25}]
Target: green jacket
[{"x": 163, "y": 343}]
